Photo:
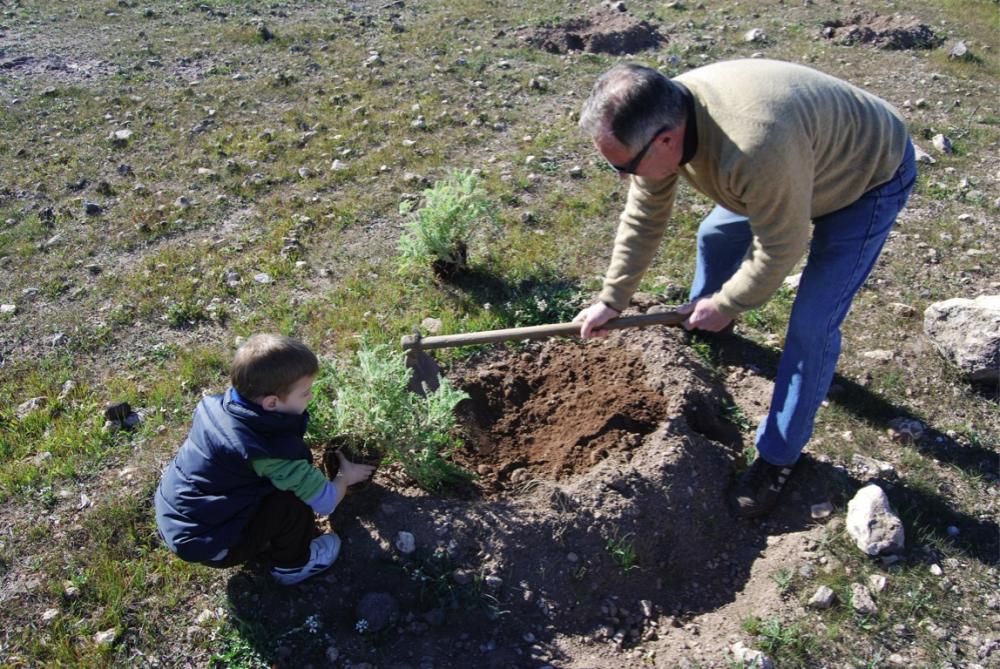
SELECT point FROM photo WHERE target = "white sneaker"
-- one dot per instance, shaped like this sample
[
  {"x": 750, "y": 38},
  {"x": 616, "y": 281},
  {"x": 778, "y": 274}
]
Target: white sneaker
[{"x": 323, "y": 552}]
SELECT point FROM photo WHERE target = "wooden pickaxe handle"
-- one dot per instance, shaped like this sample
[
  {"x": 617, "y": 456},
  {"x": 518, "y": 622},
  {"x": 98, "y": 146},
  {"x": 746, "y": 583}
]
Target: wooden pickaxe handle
[{"x": 417, "y": 342}]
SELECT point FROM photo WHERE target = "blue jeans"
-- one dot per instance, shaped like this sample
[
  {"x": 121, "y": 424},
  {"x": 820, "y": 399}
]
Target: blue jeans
[{"x": 844, "y": 247}]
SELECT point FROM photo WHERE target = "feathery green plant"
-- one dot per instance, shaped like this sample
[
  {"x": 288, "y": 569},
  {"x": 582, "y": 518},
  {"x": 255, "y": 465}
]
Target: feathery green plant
[
  {"x": 439, "y": 232},
  {"x": 367, "y": 404}
]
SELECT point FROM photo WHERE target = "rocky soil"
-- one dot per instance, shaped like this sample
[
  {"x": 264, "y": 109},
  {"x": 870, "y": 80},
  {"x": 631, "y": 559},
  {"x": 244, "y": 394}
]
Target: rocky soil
[{"x": 596, "y": 533}]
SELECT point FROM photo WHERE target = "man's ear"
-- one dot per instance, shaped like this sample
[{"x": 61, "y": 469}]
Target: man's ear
[{"x": 270, "y": 402}]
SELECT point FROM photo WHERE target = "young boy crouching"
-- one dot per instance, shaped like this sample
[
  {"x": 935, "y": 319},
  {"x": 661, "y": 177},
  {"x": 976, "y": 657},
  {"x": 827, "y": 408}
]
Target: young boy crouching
[{"x": 242, "y": 484}]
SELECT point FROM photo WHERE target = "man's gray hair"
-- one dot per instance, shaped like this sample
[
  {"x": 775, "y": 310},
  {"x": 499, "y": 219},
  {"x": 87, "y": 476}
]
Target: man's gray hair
[{"x": 632, "y": 102}]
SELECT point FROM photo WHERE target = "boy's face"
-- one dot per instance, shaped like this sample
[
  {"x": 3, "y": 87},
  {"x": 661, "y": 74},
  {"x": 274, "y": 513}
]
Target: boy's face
[{"x": 297, "y": 399}]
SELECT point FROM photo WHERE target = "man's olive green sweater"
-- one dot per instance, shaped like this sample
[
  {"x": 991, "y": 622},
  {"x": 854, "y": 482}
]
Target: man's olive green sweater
[{"x": 779, "y": 143}]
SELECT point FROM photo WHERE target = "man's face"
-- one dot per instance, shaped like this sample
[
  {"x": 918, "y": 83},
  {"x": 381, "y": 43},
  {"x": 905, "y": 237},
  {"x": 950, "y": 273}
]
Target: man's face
[
  {"x": 658, "y": 158},
  {"x": 297, "y": 399}
]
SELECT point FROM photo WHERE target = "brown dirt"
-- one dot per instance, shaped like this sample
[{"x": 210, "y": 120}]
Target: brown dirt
[
  {"x": 883, "y": 32},
  {"x": 556, "y": 413},
  {"x": 577, "y": 447},
  {"x": 603, "y": 30}
]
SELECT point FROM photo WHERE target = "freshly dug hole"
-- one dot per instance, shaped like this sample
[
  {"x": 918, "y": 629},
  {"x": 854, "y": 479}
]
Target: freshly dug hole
[{"x": 556, "y": 410}]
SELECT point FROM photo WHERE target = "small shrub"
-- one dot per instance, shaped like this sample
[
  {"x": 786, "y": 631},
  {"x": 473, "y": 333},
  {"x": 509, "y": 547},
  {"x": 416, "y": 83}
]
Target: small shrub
[
  {"x": 367, "y": 406},
  {"x": 439, "y": 232},
  {"x": 623, "y": 552}
]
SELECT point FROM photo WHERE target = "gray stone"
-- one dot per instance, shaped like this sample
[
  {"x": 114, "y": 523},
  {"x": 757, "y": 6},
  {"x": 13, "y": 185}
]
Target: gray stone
[
  {"x": 871, "y": 466},
  {"x": 922, "y": 156},
  {"x": 904, "y": 310},
  {"x": 906, "y": 430},
  {"x": 405, "y": 543},
  {"x": 823, "y": 598},
  {"x": 431, "y": 325},
  {"x": 106, "y": 637},
  {"x": 748, "y": 658},
  {"x": 120, "y": 137},
  {"x": 34, "y": 404},
  {"x": 967, "y": 333},
  {"x": 872, "y": 523},
  {"x": 960, "y": 52},
  {"x": 879, "y": 355},
  {"x": 942, "y": 143},
  {"x": 861, "y": 600}
]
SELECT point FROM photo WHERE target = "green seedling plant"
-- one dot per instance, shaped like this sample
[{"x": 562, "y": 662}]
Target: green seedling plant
[
  {"x": 783, "y": 579},
  {"x": 438, "y": 233},
  {"x": 735, "y": 415},
  {"x": 622, "y": 551},
  {"x": 367, "y": 406},
  {"x": 785, "y": 642}
]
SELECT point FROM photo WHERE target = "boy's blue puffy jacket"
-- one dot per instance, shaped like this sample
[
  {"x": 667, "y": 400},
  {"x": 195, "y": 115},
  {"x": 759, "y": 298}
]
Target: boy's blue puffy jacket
[{"x": 209, "y": 492}]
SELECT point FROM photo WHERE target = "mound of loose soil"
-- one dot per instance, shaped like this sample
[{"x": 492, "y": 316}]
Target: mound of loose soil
[
  {"x": 557, "y": 412},
  {"x": 603, "y": 30},
  {"x": 600, "y": 520},
  {"x": 883, "y": 32}
]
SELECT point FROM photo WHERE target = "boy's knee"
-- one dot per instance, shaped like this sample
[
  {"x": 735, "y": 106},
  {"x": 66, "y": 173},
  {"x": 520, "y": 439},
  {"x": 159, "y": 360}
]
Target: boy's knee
[{"x": 288, "y": 504}]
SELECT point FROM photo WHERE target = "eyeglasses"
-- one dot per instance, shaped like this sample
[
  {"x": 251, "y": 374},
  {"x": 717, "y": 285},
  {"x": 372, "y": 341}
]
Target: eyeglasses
[{"x": 631, "y": 166}]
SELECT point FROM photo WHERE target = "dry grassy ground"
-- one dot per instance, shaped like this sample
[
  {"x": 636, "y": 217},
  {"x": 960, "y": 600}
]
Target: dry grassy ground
[{"x": 174, "y": 175}]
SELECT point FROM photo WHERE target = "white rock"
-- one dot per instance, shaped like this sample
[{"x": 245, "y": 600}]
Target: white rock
[
  {"x": 29, "y": 406},
  {"x": 8, "y": 308},
  {"x": 960, "y": 51},
  {"x": 967, "y": 333},
  {"x": 879, "y": 355},
  {"x": 942, "y": 143},
  {"x": 305, "y": 172},
  {"x": 338, "y": 165},
  {"x": 405, "y": 543},
  {"x": 877, "y": 583},
  {"x": 823, "y": 598},
  {"x": 871, "y": 466},
  {"x": 907, "y": 430},
  {"x": 936, "y": 570},
  {"x": 750, "y": 658},
  {"x": 49, "y": 615},
  {"x": 106, "y": 638},
  {"x": 262, "y": 277},
  {"x": 861, "y": 600},
  {"x": 820, "y": 511},
  {"x": 872, "y": 523},
  {"x": 431, "y": 325},
  {"x": 922, "y": 156},
  {"x": 793, "y": 281},
  {"x": 755, "y": 35},
  {"x": 904, "y": 310}
]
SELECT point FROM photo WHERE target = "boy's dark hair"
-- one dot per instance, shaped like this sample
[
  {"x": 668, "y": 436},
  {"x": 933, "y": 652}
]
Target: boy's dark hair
[{"x": 268, "y": 364}]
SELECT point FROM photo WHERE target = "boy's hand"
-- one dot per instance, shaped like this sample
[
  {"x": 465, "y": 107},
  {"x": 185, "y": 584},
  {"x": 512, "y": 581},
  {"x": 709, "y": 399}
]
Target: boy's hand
[{"x": 352, "y": 472}]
